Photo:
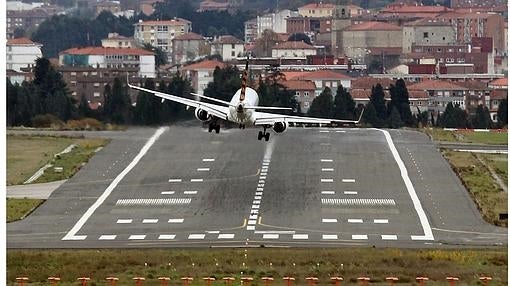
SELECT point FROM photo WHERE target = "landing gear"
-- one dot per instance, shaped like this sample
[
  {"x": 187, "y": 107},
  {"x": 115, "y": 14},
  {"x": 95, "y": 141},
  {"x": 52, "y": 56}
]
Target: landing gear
[
  {"x": 264, "y": 135},
  {"x": 242, "y": 126},
  {"x": 214, "y": 126}
]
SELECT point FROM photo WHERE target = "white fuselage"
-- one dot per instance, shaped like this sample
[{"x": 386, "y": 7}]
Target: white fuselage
[{"x": 237, "y": 112}]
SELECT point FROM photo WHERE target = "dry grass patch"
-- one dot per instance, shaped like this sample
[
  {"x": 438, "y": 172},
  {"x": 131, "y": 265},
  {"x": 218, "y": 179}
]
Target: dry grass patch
[
  {"x": 19, "y": 208},
  {"x": 259, "y": 262},
  {"x": 489, "y": 197}
]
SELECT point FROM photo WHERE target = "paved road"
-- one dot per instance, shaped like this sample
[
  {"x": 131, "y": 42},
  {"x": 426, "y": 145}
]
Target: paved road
[
  {"x": 308, "y": 187},
  {"x": 33, "y": 191}
]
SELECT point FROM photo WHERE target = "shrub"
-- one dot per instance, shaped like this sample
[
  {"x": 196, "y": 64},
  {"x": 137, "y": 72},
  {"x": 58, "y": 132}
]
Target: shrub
[
  {"x": 84, "y": 124},
  {"x": 46, "y": 121}
]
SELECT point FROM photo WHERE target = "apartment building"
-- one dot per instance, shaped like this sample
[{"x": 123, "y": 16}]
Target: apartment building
[{"x": 22, "y": 54}]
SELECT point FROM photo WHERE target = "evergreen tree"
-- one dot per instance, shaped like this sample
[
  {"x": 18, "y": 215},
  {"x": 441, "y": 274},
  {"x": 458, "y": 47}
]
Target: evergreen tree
[
  {"x": 400, "y": 100},
  {"x": 378, "y": 102},
  {"x": 370, "y": 115},
  {"x": 482, "y": 118},
  {"x": 322, "y": 105},
  {"x": 118, "y": 104},
  {"x": 147, "y": 109},
  {"x": 84, "y": 108},
  {"x": 226, "y": 81},
  {"x": 394, "y": 119},
  {"x": 179, "y": 86},
  {"x": 344, "y": 105},
  {"x": 453, "y": 117},
  {"x": 460, "y": 117},
  {"x": 503, "y": 113}
]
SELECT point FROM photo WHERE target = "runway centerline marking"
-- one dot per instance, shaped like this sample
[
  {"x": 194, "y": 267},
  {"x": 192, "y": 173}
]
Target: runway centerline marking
[
  {"x": 326, "y": 160},
  {"x": 380, "y": 220},
  {"x": 389, "y": 237},
  {"x": 124, "y": 221},
  {"x": 166, "y": 236},
  {"x": 350, "y": 193},
  {"x": 428, "y": 235},
  {"x": 348, "y": 181},
  {"x": 355, "y": 220},
  {"x": 326, "y": 180},
  {"x": 137, "y": 237},
  {"x": 203, "y": 169},
  {"x": 270, "y": 236},
  {"x": 328, "y": 192},
  {"x": 175, "y": 180},
  {"x": 107, "y": 237},
  {"x": 176, "y": 220},
  {"x": 150, "y": 220},
  {"x": 226, "y": 236},
  {"x": 208, "y": 160},
  {"x": 71, "y": 235},
  {"x": 329, "y": 236},
  {"x": 168, "y": 192},
  {"x": 300, "y": 236},
  {"x": 196, "y": 236},
  {"x": 329, "y": 220},
  {"x": 196, "y": 180},
  {"x": 359, "y": 236},
  {"x": 328, "y": 169}
]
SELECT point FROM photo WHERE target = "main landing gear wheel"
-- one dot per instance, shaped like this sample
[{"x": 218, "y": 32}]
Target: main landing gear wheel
[
  {"x": 242, "y": 126},
  {"x": 263, "y": 134},
  {"x": 267, "y": 136},
  {"x": 215, "y": 127}
]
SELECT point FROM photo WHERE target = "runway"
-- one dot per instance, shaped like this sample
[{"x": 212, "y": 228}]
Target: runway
[{"x": 180, "y": 186}]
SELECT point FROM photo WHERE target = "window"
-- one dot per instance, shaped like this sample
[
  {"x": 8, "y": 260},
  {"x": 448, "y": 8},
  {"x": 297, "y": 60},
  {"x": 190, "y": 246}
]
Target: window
[
  {"x": 73, "y": 73},
  {"x": 9, "y": 57},
  {"x": 73, "y": 83},
  {"x": 460, "y": 60},
  {"x": 307, "y": 104},
  {"x": 233, "y": 53},
  {"x": 335, "y": 84},
  {"x": 97, "y": 94},
  {"x": 233, "y": 46},
  {"x": 425, "y": 35},
  {"x": 96, "y": 84},
  {"x": 93, "y": 73},
  {"x": 297, "y": 93},
  {"x": 439, "y": 49},
  {"x": 307, "y": 94}
]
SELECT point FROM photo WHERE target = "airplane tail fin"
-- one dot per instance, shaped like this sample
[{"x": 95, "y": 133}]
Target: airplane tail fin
[{"x": 244, "y": 79}]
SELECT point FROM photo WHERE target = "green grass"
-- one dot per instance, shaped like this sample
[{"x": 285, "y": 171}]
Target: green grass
[
  {"x": 488, "y": 196},
  {"x": 72, "y": 161},
  {"x": 27, "y": 154},
  {"x": 439, "y": 134},
  {"x": 19, "y": 208},
  {"x": 350, "y": 263},
  {"x": 499, "y": 163}
]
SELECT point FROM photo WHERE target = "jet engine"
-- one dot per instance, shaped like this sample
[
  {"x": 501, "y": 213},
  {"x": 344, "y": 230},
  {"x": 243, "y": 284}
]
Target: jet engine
[
  {"x": 279, "y": 127},
  {"x": 202, "y": 115}
]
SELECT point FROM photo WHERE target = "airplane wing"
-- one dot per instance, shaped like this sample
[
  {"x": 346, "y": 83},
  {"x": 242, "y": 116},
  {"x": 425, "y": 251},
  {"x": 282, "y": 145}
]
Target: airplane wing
[
  {"x": 211, "y": 108},
  {"x": 263, "y": 118}
]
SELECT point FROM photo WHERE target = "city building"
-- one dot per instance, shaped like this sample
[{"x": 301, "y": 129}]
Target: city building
[
  {"x": 250, "y": 31},
  {"x": 25, "y": 20},
  {"x": 475, "y": 25},
  {"x": 201, "y": 73},
  {"x": 147, "y": 6},
  {"x": 498, "y": 93},
  {"x": 428, "y": 32},
  {"x": 210, "y": 5},
  {"x": 100, "y": 57},
  {"x": 316, "y": 10},
  {"x": 22, "y": 54},
  {"x": 307, "y": 25},
  {"x": 16, "y": 77},
  {"x": 276, "y": 22},
  {"x": 322, "y": 79},
  {"x": 110, "y": 6},
  {"x": 304, "y": 91},
  {"x": 189, "y": 47},
  {"x": 440, "y": 93},
  {"x": 19, "y": 5},
  {"x": 404, "y": 10},
  {"x": 371, "y": 39},
  {"x": 293, "y": 49},
  {"x": 161, "y": 33},
  {"x": 228, "y": 47},
  {"x": 115, "y": 40}
]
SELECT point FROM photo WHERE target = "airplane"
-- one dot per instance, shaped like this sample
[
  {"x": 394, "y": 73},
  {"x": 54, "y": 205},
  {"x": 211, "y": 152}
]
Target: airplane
[{"x": 243, "y": 110}]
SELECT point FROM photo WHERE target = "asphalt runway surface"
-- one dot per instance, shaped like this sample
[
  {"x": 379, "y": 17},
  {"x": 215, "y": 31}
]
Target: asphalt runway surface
[{"x": 181, "y": 186}]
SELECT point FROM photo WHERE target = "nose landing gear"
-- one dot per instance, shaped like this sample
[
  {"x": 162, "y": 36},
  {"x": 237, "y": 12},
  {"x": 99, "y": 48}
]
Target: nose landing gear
[{"x": 264, "y": 134}]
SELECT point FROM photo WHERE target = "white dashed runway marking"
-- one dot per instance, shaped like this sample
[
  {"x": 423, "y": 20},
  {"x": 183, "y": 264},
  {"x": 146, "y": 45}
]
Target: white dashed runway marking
[
  {"x": 380, "y": 221},
  {"x": 196, "y": 180},
  {"x": 166, "y": 236},
  {"x": 300, "y": 236},
  {"x": 196, "y": 236},
  {"x": 124, "y": 221},
  {"x": 340, "y": 131},
  {"x": 150, "y": 220},
  {"x": 207, "y": 160},
  {"x": 226, "y": 236},
  {"x": 168, "y": 192},
  {"x": 329, "y": 236},
  {"x": 176, "y": 220},
  {"x": 355, "y": 220},
  {"x": 270, "y": 236},
  {"x": 350, "y": 193},
  {"x": 359, "y": 236},
  {"x": 324, "y": 131},
  {"x": 153, "y": 202},
  {"x": 175, "y": 180},
  {"x": 107, "y": 237},
  {"x": 328, "y": 169},
  {"x": 359, "y": 202},
  {"x": 190, "y": 192},
  {"x": 326, "y": 160},
  {"x": 348, "y": 181},
  {"x": 327, "y": 181},
  {"x": 203, "y": 169},
  {"x": 328, "y": 192},
  {"x": 389, "y": 237},
  {"x": 329, "y": 220},
  {"x": 137, "y": 237}
]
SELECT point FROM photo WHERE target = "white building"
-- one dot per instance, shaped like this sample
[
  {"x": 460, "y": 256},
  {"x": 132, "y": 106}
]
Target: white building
[
  {"x": 115, "y": 40},
  {"x": 201, "y": 73},
  {"x": 229, "y": 47},
  {"x": 20, "y": 6},
  {"x": 111, "y": 58},
  {"x": 277, "y": 22},
  {"x": 293, "y": 49},
  {"x": 22, "y": 53},
  {"x": 250, "y": 30}
]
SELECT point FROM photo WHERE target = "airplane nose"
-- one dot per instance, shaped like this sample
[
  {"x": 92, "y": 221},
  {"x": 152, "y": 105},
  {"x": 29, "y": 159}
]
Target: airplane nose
[{"x": 240, "y": 108}]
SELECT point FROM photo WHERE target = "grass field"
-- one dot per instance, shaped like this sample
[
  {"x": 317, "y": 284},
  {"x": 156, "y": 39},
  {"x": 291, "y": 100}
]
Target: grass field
[
  {"x": 499, "y": 163},
  {"x": 350, "y": 263},
  {"x": 468, "y": 137},
  {"x": 490, "y": 199},
  {"x": 27, "y": 154},
  {"x": 18, "y": 208}
]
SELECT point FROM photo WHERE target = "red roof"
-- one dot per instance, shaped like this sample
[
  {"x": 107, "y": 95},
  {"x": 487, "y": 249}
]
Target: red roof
[
  {"x": 22, "y": 41},
  {"x": 298, "y": 84},
  {"x": 368, "y": 82},
  {"x": 499, "y": 82},
  {"x": 361, "y": 94},
  {"x": 205, "y": 65},
  {"x": 318, "y": 5},
  {"x": 293, "y": 74},
  {"x": 176, "y": 21},
  {"x": 499, "y": 94},
  {"x": 373, "y": 26},
  {"x": 414, "y": 9},
  {"x": 227, "y": 39},
  {"x": 435, "y": 85},
  {"x": 107, "y": 51},
  {"x": 324, "y": 75},
  {"x": 189, "y": 36},
  {"x": 454, "y": 15},
  {"x": 291, "y": 45}
]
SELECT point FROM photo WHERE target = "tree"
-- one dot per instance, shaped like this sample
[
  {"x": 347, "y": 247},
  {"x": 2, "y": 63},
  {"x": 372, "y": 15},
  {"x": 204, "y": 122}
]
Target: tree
[
  {"x": 160, "y": 56},
  {"x": 502, "y": 114},
  {"x": 180, "y": 86},
  {"x": 322, "y": 105},
  {"x": 265, "y": 43},
  {"x": 226, "y": 81},
  {"x": 378, "y": 101},
  {"x": 344, "y": 105},
  {"x": 299, "y": 37},
  {"x": 453, "y": 117},
  {"x": 394, "y": 119},
  {"x": 370, "y": 115},
  {"x": 482, "y": 118},
  {"x": 117, "y": 107},
  {"x": 84, "y": 109},
  {"x": 400, "y": 100}
]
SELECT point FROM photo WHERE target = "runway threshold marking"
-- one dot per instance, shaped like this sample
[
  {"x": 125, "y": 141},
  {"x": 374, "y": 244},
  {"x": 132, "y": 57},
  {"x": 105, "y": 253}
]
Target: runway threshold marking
[
  {"x": 380, "y": 220},
  {"x": 428, "y": 235},
  {"x": 389, "y": 237},
  {"x": 348, "y": 180},
  {"x": 124, "y": 221},
  {"x": 71, "y": 235},
  {"x": 166, "y": 236},
  {"x": 107, "y": 237},
  {"x": 359, "y": 236},
  {"x": 137, "y": 237},
  {"x": 326, "y": 160}
]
